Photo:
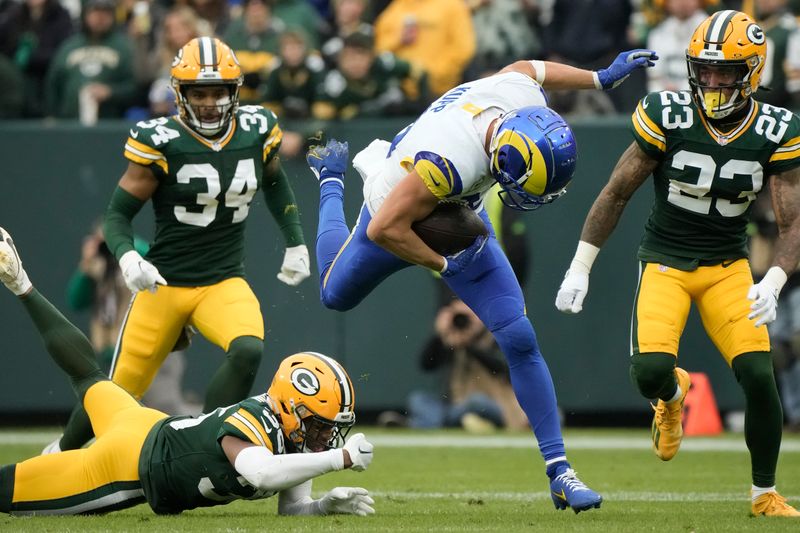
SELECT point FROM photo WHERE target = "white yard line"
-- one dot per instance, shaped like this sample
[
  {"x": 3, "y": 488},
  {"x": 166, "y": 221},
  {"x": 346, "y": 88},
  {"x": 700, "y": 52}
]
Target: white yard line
[{"x": 616, "y": 496}]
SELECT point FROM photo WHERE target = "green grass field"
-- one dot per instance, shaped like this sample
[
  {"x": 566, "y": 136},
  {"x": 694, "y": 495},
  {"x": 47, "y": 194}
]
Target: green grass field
[{"x": 451, "y": 481}]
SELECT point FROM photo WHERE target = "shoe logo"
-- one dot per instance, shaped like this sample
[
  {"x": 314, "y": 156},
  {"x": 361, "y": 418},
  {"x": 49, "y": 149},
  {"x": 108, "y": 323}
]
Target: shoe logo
[{"x": 560, "y": 495}]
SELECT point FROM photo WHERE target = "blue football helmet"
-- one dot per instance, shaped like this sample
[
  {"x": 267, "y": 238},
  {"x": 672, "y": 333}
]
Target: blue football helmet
[{"x": 532, "y": 156}]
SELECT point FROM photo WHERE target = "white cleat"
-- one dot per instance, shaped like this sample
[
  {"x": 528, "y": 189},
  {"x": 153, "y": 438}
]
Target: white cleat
[
  {"x": 53, "y": 447},
  {"x": 12, "y": 275}
]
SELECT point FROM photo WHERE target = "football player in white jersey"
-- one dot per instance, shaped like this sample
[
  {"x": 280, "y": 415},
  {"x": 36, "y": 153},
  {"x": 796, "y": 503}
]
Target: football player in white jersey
[{"x": 493, "y": 130}]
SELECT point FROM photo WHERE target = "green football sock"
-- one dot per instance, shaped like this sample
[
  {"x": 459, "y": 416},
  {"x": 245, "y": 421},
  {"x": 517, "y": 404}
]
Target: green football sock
[
  {"x": 234, "y": 379},
  {"x": 67, "y": 345},
  {"x": 763, "y": 414}
]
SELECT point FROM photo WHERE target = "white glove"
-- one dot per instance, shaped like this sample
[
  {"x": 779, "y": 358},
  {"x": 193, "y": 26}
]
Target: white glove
[
  {"x": 138, "y": 273},
  {"x": 572, "y": 291},
  {"x": 360, "y": 450},
  {"x": 347, "y": 500},
  {"x": 765, "y": 296},
  {"x": 576, "y": 281},
  {"x": 295, "y": 267}
]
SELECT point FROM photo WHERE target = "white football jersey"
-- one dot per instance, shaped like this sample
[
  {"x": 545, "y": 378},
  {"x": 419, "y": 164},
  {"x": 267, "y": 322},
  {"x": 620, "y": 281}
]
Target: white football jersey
[{"x": 445, "y": 145}]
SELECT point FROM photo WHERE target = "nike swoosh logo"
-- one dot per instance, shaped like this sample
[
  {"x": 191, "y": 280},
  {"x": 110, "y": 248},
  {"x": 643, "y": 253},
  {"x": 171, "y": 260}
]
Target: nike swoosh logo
[
  {"x": 364, "y": 451},
  {"x": 645, "y": 103},
  {"x": 433, "y": 180},
  {"x": 560, "y": 495},
  {"x": 134, "y": 134}
]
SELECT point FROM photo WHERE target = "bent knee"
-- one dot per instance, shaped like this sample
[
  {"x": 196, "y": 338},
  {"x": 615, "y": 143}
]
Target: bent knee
[{"x": 246, "y": 352}]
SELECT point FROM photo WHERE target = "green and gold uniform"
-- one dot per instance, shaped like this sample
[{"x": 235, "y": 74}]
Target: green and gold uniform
[
  {"x": 695, "y": 244},
  {"x": 182, "y": 465},
  {"x": 172, "y": 463},
  {"x": 204, "y": 192}
]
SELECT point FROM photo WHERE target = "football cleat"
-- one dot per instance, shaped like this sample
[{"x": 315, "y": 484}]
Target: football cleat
[
  {"x": 569, "y": 491},
  {"x": 667, "y": 430},
  {"x": 772, "y": 504},
  {"x": 12, "y": 274}
]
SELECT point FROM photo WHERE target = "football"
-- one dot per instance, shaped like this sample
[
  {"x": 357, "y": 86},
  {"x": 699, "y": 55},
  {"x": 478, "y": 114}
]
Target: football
[{"x": 450, "y": 228}]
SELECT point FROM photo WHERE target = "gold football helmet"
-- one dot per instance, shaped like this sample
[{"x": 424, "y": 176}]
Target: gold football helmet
[
  {"x": 206, "y": 61},
  {"x": 729, "y": 42},
  {"x": 312, "y": 395}
]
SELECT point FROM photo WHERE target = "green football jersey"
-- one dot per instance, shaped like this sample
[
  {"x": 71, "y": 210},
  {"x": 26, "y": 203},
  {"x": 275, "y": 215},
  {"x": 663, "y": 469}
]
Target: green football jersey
[
  {"x": 706, "y": 180},
  {"x": 204, "y": 191},
  {"x": 182, "y": 465}
]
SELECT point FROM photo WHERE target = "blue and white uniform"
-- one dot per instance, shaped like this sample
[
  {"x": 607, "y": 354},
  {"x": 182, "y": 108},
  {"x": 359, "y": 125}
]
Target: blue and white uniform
[{"x": 446, "y": 146}]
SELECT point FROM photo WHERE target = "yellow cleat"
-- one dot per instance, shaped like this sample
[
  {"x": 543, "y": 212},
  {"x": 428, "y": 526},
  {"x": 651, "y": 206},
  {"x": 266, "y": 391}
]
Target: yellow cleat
[
  {"x": 772, "y": 504},
  {"x": 667, "y": 429}
]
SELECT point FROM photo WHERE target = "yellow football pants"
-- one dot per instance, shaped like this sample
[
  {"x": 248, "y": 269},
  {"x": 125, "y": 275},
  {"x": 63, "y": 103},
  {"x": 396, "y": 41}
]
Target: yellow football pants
[
  {"x": 100, "y": 478},
  {"x": 665, "y": 295},
  {"x": 221, "y": 312}
]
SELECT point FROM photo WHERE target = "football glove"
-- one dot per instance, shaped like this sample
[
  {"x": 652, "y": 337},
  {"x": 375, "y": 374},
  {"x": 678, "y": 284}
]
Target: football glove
[
  {"x": 572, "y": 291},
  {"x": 459, "y": 261},
  {"x": 138, "y": 273},
  {"x": 765, "y": 297},
  {"x": 623, "y": 65},
  {"x": 328, "y": 162},
  {"x": 347, "y": 500},
  {"x": 296, "y": 265},
  {"x": 360, "y": 450}
]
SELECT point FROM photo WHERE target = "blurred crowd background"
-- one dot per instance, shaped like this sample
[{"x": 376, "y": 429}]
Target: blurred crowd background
[{"x": 338, "y": 59}]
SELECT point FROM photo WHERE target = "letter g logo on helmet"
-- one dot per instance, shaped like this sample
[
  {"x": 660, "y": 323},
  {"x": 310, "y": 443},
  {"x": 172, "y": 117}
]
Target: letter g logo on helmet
[
  {"x": 755, "y": 34},
  {"x": 305, "y": 381}
]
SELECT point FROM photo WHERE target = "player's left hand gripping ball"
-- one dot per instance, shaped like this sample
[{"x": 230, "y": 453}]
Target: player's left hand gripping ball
[
  {"x": 296, "y": 265},
  {"x": 623, "y": 65},
  {"x": 458, "y": 262}
]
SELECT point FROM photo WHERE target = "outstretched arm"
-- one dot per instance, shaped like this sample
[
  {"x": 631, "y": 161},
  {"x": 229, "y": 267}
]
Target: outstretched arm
[
  {"x": 633, "y": 168},
  {"x": 553, "y": 75}
]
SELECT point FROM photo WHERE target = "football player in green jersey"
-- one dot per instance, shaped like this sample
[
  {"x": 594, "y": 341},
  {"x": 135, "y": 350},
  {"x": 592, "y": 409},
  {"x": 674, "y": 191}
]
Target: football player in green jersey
[
  {"x": 201, "y": 169},
  {"x": 273, "y": 443},
  {"x": 709, "y": 151}
]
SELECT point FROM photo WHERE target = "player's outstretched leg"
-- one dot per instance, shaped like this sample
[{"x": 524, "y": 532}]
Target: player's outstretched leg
[
  {"x": 504, "y": 314},
  {"x": 68, "y": 347},
  {"x": 329, "y": 163}
]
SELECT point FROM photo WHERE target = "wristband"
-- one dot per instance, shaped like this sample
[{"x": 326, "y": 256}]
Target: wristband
[
  {"x": 584, "y": 257},
  {"x": 539, "y": 67}
]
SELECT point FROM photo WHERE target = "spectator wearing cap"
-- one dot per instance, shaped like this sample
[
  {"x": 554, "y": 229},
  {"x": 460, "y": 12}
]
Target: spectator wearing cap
[
  {"x": 366, "y": 84},
  {"x": 94, "y": 67},
  {"x": 30, "y": 33},
  {"x": 255, "y": 39},
  {"x": 437, "y": 35}
]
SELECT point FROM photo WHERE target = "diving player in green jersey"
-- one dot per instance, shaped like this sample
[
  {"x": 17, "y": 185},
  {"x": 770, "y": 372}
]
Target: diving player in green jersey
[
  {"x": 201, "y": 169},
  {"x": 273, "y": 443},
  {"x": 709, "y": 151}
]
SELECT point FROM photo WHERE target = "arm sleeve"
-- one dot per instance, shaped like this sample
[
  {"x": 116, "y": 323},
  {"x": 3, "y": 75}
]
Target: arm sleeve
[
  {"x": 297, "y": 501},
  {"x": 117, "y": 226},
  {"x": 283, "y": 206},
  {"x": 266, "y": 471}
]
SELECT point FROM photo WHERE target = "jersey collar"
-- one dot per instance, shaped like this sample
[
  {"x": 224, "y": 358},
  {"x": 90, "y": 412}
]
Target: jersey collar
[
  {"x": 723, "y": 138},
  {"x": 216, "y": 144}
]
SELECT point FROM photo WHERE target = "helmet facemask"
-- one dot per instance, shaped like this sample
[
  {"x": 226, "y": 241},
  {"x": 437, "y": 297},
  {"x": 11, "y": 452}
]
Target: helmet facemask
[
  {"x": 720, "y": 100},
  {"x": 315, "y": 433},
  {"x": 194, "y": 115}
]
